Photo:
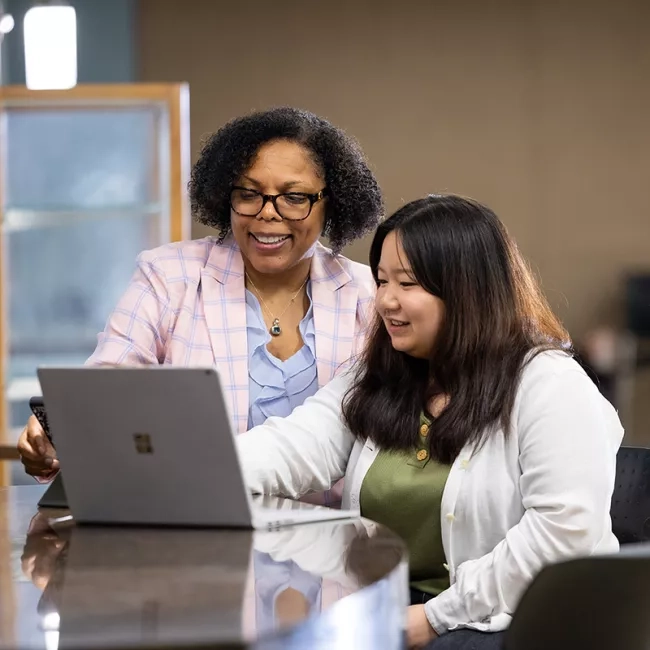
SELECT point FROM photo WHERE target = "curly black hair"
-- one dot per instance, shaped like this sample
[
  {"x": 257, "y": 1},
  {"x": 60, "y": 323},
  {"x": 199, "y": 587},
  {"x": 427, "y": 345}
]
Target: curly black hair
[{"x": 354, "y": 204}]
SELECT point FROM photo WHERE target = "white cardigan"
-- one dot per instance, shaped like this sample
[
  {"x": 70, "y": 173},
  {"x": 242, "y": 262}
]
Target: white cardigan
[{"x": 538, "y": 496}]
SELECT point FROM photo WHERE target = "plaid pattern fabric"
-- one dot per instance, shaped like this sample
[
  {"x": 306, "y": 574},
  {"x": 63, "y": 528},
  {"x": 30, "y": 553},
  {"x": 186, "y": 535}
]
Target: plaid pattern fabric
[{"x": 186, "y": 306}]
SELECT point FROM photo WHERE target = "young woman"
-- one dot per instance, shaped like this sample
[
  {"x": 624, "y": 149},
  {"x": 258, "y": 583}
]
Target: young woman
[{"x": 466, "y": 427}]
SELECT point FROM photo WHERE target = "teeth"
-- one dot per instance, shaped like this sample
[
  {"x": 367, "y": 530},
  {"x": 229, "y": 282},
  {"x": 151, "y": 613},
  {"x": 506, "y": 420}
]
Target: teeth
[
  {"x": 268, "y": 239},
  {"x": 397, "y": 322}
]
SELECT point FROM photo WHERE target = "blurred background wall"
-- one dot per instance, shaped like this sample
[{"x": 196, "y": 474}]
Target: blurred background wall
[{"x": 541, "y": 109}]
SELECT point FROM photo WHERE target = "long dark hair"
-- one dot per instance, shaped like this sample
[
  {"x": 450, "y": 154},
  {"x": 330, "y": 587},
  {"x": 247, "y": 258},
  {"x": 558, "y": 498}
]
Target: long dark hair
[{"x": 496, "y": 319}]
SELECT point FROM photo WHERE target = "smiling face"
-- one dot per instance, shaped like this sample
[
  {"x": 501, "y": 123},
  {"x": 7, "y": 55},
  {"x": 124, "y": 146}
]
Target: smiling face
[
  {"x": 270, "y": 244},
  {"x": 412, "y": 316}
]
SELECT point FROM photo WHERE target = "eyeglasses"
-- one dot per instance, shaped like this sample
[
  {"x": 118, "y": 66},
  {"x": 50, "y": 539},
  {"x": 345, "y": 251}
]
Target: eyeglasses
[{"x": 292, "y": 206}]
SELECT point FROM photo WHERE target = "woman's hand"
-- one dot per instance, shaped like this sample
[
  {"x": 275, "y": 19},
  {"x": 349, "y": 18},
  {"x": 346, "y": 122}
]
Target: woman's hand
[
  {"x": 418, "y": 629},
  {"x": 43, "y": 547},
  {"x": 36, "y": 452}
]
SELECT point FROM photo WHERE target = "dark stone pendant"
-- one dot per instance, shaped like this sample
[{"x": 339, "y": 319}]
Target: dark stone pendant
[{"x": 275, "y": 328}]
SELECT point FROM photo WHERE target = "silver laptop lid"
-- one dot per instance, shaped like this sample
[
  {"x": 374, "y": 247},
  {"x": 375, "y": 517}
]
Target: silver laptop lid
[{"x": 150, "y": 445}]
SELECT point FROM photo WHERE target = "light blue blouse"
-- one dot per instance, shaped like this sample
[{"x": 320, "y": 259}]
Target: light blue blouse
[
  {"x": 271, "y": 578},
  {"x": 277, "y": 387}
]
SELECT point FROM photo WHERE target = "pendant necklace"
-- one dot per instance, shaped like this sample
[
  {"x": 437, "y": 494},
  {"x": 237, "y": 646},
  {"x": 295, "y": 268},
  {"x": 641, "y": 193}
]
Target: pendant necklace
[{"x": 275, "y": 329}]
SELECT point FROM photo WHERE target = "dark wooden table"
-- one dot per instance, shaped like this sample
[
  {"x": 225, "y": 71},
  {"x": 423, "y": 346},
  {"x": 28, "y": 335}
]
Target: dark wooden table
[
  {"x": 8, "y": 452},
  {"x": 326, "y": 585}
]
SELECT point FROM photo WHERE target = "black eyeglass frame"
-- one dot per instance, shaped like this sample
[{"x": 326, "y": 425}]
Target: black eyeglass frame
[{"x": 313, "y": 198}]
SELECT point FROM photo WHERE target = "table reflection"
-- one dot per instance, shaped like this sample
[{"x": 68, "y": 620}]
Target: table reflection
[{"x": 332, "y": 584}]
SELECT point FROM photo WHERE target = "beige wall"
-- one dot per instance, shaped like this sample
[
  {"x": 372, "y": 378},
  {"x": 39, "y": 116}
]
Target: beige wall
[{"x": 540, "y": 109}]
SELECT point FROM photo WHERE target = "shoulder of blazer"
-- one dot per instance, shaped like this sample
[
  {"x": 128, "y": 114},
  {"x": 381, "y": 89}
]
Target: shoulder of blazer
[
  {"x": 183, "y": 262},
  {"x": 338, "y": 270}
]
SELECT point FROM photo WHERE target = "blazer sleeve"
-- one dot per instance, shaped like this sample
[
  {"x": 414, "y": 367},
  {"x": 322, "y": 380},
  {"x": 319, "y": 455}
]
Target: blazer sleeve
[
  {"x": 136, "y": 331},
  {"x": 567, "y": 453},
  {"x": 304, "y": 452}
]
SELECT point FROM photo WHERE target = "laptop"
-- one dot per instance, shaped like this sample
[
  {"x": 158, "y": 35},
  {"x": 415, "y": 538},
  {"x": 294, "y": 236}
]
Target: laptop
[
  {"x": 54, "y": 496},
  {"x": 154, "y": 446}
]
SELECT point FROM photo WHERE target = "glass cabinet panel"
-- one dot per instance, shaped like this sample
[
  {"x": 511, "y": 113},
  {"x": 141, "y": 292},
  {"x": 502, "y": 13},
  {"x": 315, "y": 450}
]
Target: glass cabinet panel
[{"x": 89, "y": 177}]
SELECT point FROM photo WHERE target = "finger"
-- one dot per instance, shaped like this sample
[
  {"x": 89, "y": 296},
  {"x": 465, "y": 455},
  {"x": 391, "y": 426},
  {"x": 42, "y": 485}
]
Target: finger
[
  {"x": 36, "y": 472},
  {"x": 27, "y": 566},
  {"x": 37, "y": 437},
  {"x": 26, "y": 450},
  {"x": 49, "y": 448},
  {"x": 39, "y": 524},
  {"x": 36, "y": 464},
  {"x": 38, "y": 468},
  {"x": 44, "y": 462}
]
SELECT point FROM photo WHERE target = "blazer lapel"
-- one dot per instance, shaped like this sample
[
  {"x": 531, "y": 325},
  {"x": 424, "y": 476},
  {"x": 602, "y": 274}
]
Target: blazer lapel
[
  {"x": 334, "y": 294},
  {"x": 335, "y": 297},
  {"x": 224, "y": 304}
]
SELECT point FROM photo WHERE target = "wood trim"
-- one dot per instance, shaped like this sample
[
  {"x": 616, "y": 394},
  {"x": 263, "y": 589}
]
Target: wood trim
[
  {"x": 175, "y": 98},
  {"x": 152, "y": 228},
  {"x": 8, "y": 452},
  {"x": 147, "y": 92},
  {"x": 179, "y": 161},
  {"x": 4, "y": 419}
]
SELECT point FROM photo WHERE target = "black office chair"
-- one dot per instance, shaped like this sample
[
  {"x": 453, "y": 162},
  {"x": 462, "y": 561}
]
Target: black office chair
[
  {"x": 631, "y": 500},
  {"x": 598, "y": 602},
  {"x": 593, "y": 603}
]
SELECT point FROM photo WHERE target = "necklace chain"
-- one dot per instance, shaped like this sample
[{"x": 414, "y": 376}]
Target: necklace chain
[{"x": 275, "y": 328}]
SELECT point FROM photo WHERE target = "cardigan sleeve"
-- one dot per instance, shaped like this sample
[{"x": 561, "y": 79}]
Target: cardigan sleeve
[
  {"x": 321, "y": 551},
  {"x": 306, "y": 451}
]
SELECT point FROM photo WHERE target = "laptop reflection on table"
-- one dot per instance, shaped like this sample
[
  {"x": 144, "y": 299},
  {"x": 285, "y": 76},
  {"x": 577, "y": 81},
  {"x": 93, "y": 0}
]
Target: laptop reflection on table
[{"x": 146, "y": 586}]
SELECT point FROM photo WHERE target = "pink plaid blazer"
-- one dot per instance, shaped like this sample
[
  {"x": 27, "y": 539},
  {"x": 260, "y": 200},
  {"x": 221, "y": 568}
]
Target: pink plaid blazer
[{"x": 186, "y": 305}]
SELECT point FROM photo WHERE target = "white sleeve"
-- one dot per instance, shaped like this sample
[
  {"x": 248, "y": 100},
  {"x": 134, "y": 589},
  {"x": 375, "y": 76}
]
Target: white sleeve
[
  {"x": 568, "y": 438},
  {"x": 319, "y": 550},
  {"x": 306, "y": 451}
]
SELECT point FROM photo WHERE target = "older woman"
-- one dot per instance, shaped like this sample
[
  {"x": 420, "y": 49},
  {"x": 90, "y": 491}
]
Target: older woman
[{"x": 279, "y": 313}]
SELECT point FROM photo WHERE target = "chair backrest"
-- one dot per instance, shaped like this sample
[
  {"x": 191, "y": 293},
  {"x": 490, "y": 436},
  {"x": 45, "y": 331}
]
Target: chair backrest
[
  {"x": 598, "y": 602},
  {"x": 637, "y": 304},
  {"x": 631, "y": 499},
  {"x": 593, "y": 603}
]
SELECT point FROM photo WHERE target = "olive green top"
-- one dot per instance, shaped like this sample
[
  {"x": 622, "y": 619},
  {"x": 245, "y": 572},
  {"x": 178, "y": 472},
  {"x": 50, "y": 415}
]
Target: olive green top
[{"x": 403, "y": 491}]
